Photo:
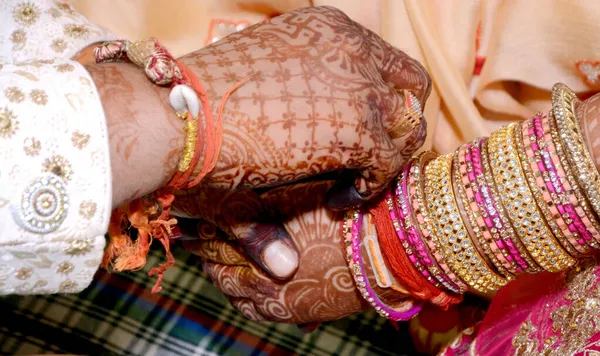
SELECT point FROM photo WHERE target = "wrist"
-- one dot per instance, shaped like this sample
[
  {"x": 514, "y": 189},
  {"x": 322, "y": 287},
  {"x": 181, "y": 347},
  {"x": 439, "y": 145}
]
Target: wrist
[{"x": 145, "y": 136}]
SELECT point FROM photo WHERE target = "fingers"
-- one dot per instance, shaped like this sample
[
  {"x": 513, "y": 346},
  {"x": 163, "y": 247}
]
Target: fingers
[
  {"x": 403, "y": 72},
  {"x": 238, "y": 281},
  {"x": 383, "y": 165},
  {"x": 239, "y": 214},
  {"x": 270, "y": 246},
  {"x": 218, "y": 251},
  {"x": 410, "y": 86},
  {"x": 247, "y": 307}
]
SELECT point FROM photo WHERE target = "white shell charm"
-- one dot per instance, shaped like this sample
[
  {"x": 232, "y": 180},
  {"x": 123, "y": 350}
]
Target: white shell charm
[{"x": 183, "y": 99}]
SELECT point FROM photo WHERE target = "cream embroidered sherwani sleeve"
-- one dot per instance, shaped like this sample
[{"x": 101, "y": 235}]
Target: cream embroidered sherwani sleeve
[{"x": 55, "y": 178}]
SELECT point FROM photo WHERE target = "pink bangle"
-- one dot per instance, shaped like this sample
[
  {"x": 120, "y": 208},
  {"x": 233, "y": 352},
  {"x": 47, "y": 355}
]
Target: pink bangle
[
  {"x": 351, "y": 231},
  {"x": 552, "y": 212},
  {"x": 471, "y": 198},
  {"x": 417, "y": 200},
  {"x": 425, "y": 259},
  {"x": 404, "y": 240},
  {"x": 580, "y": 221},
  {"x": 498, "y": 222}
]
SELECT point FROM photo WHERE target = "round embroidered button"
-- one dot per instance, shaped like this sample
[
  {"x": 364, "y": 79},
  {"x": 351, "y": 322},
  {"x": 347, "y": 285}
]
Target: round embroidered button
[{"x": 43, "y": 205}]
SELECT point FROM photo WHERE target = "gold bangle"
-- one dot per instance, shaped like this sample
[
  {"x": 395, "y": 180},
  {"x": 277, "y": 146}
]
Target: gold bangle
[
  {"x": 518, "y": 201},
  {"x": 424, "y": 222},
  {"x": 538, "y": 193},
  {"x": 508, "y": 230},
  {"x": 457, "y": 247},
  {"x": 563, "y": 110}
]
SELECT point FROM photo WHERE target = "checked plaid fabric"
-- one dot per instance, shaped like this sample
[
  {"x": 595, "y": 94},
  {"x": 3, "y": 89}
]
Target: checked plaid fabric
[{"x": 118, "y": 315}]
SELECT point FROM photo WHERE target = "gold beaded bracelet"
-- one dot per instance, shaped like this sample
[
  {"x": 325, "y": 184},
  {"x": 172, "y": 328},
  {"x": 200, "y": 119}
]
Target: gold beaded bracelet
[
  {"x": 519, "y": 203},
  {"x": 457, "y": 247}
]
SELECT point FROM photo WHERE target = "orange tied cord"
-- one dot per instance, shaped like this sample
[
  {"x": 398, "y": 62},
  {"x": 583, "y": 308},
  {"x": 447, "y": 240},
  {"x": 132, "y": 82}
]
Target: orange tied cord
[
  {"x": 399, "y": 264},
  {"x": 214, "y": 130}
]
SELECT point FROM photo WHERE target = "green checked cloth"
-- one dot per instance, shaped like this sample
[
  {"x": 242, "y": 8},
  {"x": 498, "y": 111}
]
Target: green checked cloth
[{"x": 118, "y": 315}]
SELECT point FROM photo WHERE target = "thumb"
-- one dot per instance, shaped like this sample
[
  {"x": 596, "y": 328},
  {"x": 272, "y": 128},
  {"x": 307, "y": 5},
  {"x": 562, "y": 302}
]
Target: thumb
[{"x": 270, "y": 246}]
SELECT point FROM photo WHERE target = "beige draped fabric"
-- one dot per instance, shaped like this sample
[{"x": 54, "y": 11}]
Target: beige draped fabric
[{"x": 527, "y": 46}]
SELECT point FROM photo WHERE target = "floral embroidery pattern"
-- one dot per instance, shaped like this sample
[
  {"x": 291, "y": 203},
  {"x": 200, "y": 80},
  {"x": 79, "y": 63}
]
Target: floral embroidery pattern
[
  {"x": 8, "y": 123},
  {"x": 566, "y": 322},
  {"x": 26, "y": 14}
]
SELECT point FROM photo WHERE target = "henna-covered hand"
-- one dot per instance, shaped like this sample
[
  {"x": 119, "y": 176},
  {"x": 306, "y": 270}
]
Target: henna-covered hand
[
  {"x": 242, "y": 216},
  {"x": 321, "y": 289},
  {"x": 322, "y": 96}
]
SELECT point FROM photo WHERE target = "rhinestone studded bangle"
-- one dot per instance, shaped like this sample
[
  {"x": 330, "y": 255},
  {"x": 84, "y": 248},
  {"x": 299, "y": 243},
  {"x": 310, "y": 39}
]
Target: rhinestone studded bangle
[
  {"x": 425, "y": 260},
  {"x": 563, "y": 108},
  {"x": 407, "y": 244},
  {"x": 465, "y": 193},
  {"x": 492, "y": 216},
  {"x": 423, "y": 219},
  {"x": 519, "y": 203},
  {"x": 563, "y": 214},
  {"x": 498, "y": 221},
  {"x": 556, "y": 161},
  {"x": 448, "y": 227},
  {"x": 540, "y": 195}
]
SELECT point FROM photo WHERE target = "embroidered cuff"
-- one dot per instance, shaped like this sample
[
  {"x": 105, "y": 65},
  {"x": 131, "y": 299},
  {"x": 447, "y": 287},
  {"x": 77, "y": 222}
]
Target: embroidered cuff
[{"x": 55, "y": 182}]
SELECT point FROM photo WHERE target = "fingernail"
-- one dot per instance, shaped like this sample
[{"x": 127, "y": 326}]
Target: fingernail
[{"x": 280, "y": 259}]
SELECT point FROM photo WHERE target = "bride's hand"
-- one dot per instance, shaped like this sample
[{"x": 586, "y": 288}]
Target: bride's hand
[{"x": 322, "y": 288}]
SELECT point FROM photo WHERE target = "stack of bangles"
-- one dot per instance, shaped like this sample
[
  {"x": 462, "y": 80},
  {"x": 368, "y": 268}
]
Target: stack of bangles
[{"x": 524, "y": 200}]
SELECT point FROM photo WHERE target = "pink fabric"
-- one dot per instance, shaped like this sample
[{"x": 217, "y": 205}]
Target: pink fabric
[
  {"x": 511, "y": 306},
  {"x": 545, "y": 314}
]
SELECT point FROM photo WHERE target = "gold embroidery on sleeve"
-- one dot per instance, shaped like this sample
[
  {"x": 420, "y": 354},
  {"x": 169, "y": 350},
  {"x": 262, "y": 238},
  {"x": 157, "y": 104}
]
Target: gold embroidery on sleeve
[
  {"x": 39, "y": 96},
  {"x": 59, "y": 166},
  {"x": 14, "y": 94},
  {"x": 24, "y": 273},
  {"x": 87, "y": 209},
  {"x": 80, "y": 140},
  {"x": 18, "y": 38},
  {"x": 76, "y": 31},
  {"x": 8, "y": 123},
  {"x": 26, "y": 13},
  {"x": 65, "y": 267},
  {"x": 58, "y": 46},
  {"x": 32, "y": 147}
]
